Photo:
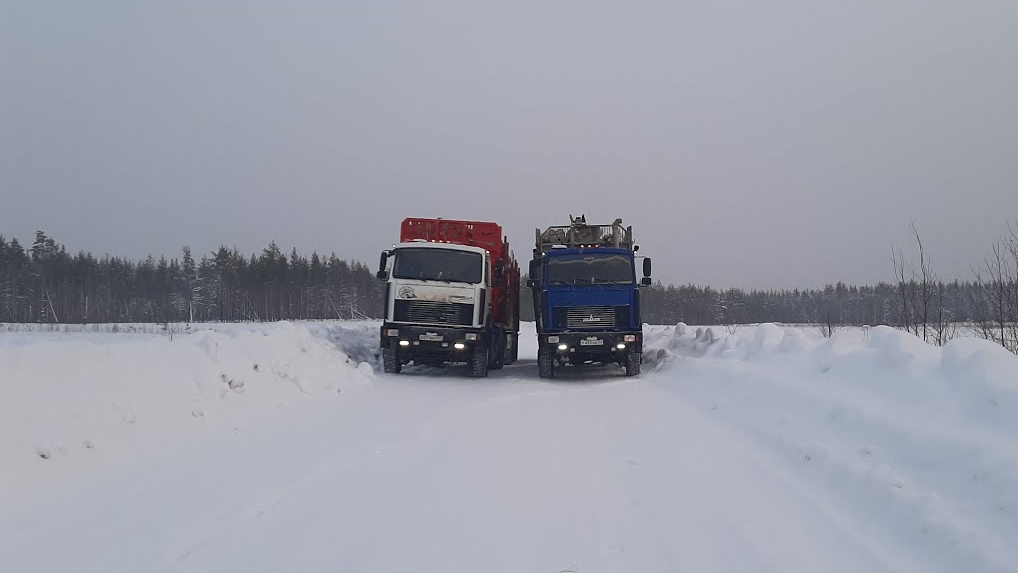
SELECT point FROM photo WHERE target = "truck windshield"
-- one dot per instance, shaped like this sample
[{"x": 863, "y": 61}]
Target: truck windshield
[
  {"x": 438, "y": 265},
  {"x": 590, "y": 269}
]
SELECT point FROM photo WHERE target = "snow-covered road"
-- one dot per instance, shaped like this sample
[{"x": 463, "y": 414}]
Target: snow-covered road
[{"x": 758, "y": 454}]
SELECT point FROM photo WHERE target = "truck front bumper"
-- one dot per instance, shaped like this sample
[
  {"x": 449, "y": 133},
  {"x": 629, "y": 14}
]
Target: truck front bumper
[
  {"x": 432, "y": 340},
  {"x": 599, "y": 343}
]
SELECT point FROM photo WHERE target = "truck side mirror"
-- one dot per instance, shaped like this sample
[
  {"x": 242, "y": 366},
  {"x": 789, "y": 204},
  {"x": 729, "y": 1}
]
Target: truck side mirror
[
  {"x": 499, "y": 268},
  {"x": 381, "y": 274},
  {"x": 645, "y": 281},
  {"x": 531, "y": 283},
  {"x": 646, "y": 267}
]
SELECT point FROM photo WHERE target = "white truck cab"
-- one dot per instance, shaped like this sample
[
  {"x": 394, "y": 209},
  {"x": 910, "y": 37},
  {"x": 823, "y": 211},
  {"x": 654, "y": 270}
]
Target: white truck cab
[{"x": 440, "y": 284}]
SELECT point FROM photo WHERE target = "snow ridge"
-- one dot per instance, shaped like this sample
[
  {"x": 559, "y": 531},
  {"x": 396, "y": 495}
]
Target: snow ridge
[{"x": 920, "y": 436}]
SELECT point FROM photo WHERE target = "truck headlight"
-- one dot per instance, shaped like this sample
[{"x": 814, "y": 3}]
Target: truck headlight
[
  {"x": 629, "y": 338},
  {"x": 552, "y": 339},
  {"x": 459, "y": 345},
  {"x": 471, "y": 336},
  {"x": 404, "y": 343},
  {"x": 563, "y": 346},
  {"x": 392, "y": 332},
  {"x": 620, "y": 346}
]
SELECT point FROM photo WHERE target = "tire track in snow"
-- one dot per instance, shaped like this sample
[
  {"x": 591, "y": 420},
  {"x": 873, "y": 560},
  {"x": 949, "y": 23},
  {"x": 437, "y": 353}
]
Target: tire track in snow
[
  {"x": 731, "y": 508},
  {"x": 549, "y": 477},
  {"x": 414, "y": 444}
]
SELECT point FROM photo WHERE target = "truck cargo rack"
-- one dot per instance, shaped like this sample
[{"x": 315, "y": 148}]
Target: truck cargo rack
[
  {"x": 580, "y": 234},
  {"x": 484, "y": 234}
]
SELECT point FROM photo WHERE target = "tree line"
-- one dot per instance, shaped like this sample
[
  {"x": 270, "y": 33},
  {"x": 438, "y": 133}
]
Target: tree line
[
  {"x": 918, "y": 301},
  {"x": 839, "y": 303},
  {"x": 45, "y": 284}
]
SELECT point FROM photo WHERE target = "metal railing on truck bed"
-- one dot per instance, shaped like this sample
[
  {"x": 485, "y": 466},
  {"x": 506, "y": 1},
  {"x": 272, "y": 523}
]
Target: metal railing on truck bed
[
  {"x": 484, "y": 234},
  {"x": 580, "y": 234}
]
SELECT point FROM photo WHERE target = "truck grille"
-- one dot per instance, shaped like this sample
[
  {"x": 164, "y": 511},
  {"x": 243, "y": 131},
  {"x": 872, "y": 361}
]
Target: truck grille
[
  {"x": 428, "y": 312},
  {"x": 590, "y": 317}
]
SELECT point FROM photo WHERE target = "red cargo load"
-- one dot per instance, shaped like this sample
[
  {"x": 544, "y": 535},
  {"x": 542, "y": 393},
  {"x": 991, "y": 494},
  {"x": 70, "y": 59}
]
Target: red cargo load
[{"x": 482, "y": 234}]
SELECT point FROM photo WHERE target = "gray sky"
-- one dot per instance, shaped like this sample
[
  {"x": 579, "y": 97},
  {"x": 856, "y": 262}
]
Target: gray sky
[{"x": 767, "y": 144}]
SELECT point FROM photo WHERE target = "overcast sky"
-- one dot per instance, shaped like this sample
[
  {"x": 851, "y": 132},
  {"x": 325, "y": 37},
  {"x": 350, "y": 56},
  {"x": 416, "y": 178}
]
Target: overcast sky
[{"x": 766, "y": 144}]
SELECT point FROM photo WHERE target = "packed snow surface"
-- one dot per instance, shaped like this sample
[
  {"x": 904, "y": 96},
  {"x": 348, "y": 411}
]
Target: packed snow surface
[{"x": 282, "y": 447}]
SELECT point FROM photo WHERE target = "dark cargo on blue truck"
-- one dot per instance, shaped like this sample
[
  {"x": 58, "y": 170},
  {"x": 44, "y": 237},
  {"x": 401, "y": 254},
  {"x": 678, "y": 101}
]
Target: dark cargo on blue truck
[{"x": 587, "y": 297}]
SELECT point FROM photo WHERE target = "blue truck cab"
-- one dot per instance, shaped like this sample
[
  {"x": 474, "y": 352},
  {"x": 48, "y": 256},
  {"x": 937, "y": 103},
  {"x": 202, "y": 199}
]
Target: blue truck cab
[{"x": 587, "y": 296}]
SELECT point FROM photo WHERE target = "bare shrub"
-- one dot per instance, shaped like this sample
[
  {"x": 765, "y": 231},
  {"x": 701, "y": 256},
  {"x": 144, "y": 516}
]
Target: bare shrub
[
  {"x": 995, "y": 301},
  {"x": 921, "y": 296}
]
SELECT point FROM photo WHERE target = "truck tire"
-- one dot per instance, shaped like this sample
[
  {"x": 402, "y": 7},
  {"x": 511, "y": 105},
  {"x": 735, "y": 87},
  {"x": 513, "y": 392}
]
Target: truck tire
[
  {"x": 479, "y": 360},
  {"x": 498, "y": 346},
  {"x": 390, "y": 360},
  {"x": 507, "y": 352},
  {"x": 633, "y": 363},
  {"x": 545, "y": 363},
  {"x": 514, "y": 353}
]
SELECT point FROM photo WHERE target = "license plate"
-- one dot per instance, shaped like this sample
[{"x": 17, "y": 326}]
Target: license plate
[
  {"x": 432, "y": 337},
  {"x": 591, "y": 342}
]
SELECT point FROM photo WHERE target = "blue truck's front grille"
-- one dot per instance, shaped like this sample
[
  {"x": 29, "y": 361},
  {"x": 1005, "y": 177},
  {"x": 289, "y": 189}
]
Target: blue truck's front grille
[{"x": 590, "y": 317}]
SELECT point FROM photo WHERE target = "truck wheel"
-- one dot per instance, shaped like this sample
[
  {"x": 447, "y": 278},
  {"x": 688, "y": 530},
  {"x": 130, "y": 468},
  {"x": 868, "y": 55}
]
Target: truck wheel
[
  {"x": 497, "y": 354},
  {"x": 507, "y": 353},
  {"x": 633, "y": 363},
  {"x": 545, "y": 363},
  {"x": 479, "y": 360},
  {"x": 390, "y": 361}
]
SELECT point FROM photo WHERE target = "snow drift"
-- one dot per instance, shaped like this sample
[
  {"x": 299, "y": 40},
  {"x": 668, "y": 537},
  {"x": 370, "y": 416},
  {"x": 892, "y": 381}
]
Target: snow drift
[
  {"x": 76, "y": 402},
  {"x": 921, "y": 435}
]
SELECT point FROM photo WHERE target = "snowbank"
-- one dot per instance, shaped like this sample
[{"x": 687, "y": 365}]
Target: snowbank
[
  {"x": 920, "y": 434},
  {"x": 78, "y": 402}
]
